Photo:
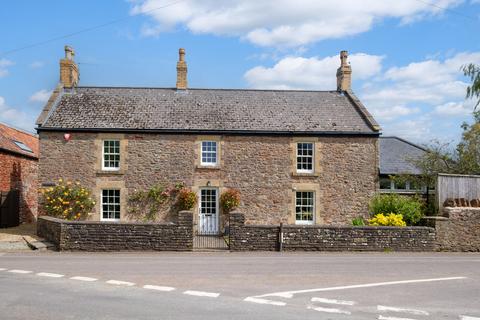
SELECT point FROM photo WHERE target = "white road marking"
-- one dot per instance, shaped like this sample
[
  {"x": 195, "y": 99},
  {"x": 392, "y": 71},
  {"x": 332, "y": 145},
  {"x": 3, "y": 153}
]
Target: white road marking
[
  {"x": 330, "y": 310},
  {"x": 403, "y": 310},
  {"x": 51, "y": 275},
  {"x": 468, "y": 318},
  {"x": 201, "y": 293},
  {"x": 264, "y": 301},
  {"x": 333, "y": 301},
  {"x": 120, "y": 283},
  {"x": 392, "y": 318},
  {"x": 84, "y": 279},
  {"x": 289, "y": 294},
  {"x": 3, "y": 269},
  {"x": 158, "y": 288},
  {"x": 19, "y": 271}
]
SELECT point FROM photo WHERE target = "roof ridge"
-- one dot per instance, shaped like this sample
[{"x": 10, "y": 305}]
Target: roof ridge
[
  {"x": 206, "y": 89},
  {"x": 18, "y": 129},
  {"x": 406, "y": 141}
]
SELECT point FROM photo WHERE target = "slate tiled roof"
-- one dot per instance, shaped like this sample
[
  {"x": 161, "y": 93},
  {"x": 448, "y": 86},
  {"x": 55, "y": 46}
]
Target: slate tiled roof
[
  {"x": 9, "y": 135},
  {"x": 209, "y": 110},
  {"x": 395, "y": 154}
]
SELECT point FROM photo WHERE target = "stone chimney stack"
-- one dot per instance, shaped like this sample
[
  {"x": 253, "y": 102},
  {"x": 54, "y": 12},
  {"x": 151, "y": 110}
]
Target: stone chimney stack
[
  {"x": 344, "y": 73},
  {"x": 69, "y": 74},
  {"x": 181, "y": 70}
]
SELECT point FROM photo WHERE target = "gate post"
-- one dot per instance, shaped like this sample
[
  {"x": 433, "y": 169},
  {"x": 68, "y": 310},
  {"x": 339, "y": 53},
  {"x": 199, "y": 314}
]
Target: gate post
[{"x": 185, "y": 223}]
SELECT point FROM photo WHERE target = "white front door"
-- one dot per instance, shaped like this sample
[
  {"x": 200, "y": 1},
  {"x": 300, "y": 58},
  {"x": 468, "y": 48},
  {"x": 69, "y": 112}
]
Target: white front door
[{"x": 208, "y": 211}]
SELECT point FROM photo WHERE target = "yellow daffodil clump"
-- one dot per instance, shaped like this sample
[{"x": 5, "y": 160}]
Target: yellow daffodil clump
[{"x": 392, "y": 219}]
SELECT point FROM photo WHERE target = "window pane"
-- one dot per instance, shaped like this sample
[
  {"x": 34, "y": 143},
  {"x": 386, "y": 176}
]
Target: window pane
[
  {"x": 304, "y": 207},
  {"x": 385, "y": 183},
  {"x": 305, "y": 157},
  {"x": 209, "y": 152},
  {"x": 111, "y": 204},
  {"x": 111, "y": 154}
]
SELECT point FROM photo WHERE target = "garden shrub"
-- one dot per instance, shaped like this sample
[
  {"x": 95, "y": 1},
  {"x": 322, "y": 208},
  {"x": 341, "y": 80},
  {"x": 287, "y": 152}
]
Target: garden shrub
[
  {"x": 146, "y": 204},
  {"x": 392, "y": 219},
  {"x": 358, "y": 222},
  {"x": 229, "y": 200},
  {"x": 409, "y": 207},
  {"x": 186, "y": 199},
  {"x": 67, "y": 200}
]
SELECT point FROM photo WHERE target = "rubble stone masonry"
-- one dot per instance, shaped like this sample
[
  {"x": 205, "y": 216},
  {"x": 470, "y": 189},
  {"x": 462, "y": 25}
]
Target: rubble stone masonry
[{"x": 262, "y": 168}]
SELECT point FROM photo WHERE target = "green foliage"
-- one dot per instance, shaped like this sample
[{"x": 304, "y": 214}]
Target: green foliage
[
  {"x": 358, "y": 222},
  {"x": 67, "y": 200},
  {"x": 473, "y": 72},
  {"x": 146, "y": 204},
  {"x": 391, "y": 219},
  {"x": 409, "y": 207},
  {"x": 186, "y": 199},
  {"x": 229, "y": 200}
]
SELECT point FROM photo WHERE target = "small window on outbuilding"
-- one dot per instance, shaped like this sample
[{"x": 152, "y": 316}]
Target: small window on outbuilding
[{"x": 23, "y": 146}]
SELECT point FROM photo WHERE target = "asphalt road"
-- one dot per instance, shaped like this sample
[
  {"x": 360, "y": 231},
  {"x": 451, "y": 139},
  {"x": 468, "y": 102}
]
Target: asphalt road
[{"x": 224, "y": 285}]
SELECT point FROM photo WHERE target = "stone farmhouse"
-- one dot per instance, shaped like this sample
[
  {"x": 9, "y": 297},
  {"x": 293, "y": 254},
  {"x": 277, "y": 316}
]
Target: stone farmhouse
[{"x": 297, "y": 157}]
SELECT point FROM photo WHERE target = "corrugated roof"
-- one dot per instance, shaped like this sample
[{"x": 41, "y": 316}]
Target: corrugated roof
[
  {"x": 396, "y": 155},
  {"x": 167, "y": 109},
  {"x": 9, "y": 136}
]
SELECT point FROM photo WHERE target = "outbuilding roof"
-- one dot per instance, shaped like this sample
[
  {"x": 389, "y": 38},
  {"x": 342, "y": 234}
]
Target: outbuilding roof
[
  {"x": 17, "y": 141},
  {"x": 396, "y": 156},
  {"x": 207, "y": 110}
]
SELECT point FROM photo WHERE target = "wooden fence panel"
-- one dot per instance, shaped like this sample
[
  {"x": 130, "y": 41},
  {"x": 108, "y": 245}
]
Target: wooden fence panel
[{"x": 457, "y": 186}]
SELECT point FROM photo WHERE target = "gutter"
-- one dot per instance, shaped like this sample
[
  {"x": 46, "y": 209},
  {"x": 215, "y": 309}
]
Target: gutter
[{"x": 213, "y": 132}]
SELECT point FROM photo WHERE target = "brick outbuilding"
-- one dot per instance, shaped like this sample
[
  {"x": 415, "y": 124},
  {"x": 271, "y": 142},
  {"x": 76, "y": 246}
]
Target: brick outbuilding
[{"x": 19, "y": 168}]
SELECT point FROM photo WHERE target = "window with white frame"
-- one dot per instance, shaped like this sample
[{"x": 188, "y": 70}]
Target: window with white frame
[
  {"x": 111, "y": 204},
  {"x": 111, "y": 155},
  {"x": 209, "y": 153},
  {"x": 304, "y": 207},
  {"x": 305, "y": 157}
]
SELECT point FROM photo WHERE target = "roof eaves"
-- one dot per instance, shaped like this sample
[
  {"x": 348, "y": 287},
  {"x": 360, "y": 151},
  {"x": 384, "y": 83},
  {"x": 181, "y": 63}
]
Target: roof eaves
[
  {"x": 363, "y": 111},
  {"x": 209, "y": 131}
]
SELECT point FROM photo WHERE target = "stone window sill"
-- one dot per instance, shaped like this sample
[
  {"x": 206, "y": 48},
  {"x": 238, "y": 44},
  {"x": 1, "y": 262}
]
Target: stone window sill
[
  {"x": 110, "y": 173},
  {"x": 299, "y": 174},
  {"x": 208, "y": 167}
]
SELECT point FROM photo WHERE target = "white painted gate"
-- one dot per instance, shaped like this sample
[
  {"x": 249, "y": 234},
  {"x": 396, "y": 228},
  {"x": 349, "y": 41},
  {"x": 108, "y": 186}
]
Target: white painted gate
[{"x": 208, "y": 211}]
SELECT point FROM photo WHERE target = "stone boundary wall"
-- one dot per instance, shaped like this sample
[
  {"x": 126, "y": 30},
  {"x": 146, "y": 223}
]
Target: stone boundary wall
[
  {"x": 458, "y": 229},
  {"x": 118, "y": 236},
  {"x": 328, "y": 238}
]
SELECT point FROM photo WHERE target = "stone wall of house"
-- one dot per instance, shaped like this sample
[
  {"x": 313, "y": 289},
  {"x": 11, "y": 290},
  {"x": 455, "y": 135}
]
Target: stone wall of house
[
  {"x": 118, "y": 236},
  {"x": 260, "y": 167},
  {"x": 458, "y": 229},
  {"x": 21, "y": 173},
  {"x": 328, "y": 238}
]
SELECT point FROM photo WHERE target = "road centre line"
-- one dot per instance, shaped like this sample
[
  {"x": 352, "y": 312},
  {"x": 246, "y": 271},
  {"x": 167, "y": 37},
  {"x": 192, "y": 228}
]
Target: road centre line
[
  {"x": 84, "y": 279},
  {"x": 402, "y": 310},
  {"x": 333, "y": 301},
  {"x": 329, "y": 310},
  {"x": 19, "y": 271},
  {"x": 3, "y": 269},
  {"x": 158, "y": 288},
  {"x": 468, "y": 318},
  {"x": 380, "y": 317},
  {"x": 201, "y": 293},
  {"x": 289, "y": 294},
  {"x": 264, "y": 301},
  {"x": 120, "y": 283},
  {"x": 51, "y": 275}
]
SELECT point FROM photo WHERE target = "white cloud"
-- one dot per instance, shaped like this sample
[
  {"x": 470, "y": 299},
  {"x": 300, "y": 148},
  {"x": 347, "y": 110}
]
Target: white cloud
[
  {"x": 283, "y": 23},
  {"x": 15, "y": 117},
  {"x": 310, "y": 73},
  {"x": 4, "y": 64},
  {"x": 391, "y": 113},
  {"x": 37, "y": 64},
  {"x": 430, "y": 82},
  {"x": 452, "y": 109},
  {"x": 41, "y": 96}
]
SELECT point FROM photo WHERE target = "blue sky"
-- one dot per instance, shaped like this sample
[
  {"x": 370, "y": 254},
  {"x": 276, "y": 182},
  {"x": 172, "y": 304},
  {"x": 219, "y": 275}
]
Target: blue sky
[{"x": 405, "y": 55}]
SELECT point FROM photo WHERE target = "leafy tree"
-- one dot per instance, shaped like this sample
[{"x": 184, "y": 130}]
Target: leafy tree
[
  {"x": 468, "y": 150},
  {"x": 473, "y": 72}
]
